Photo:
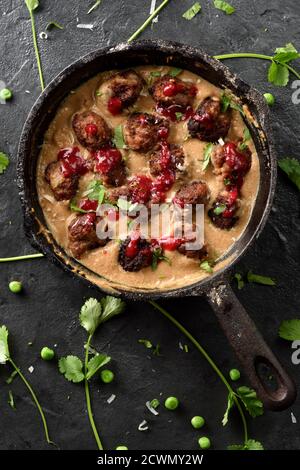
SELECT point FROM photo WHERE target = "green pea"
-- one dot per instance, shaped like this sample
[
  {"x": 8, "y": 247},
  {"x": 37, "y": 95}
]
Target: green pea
[
  {"x": 204, "y": 442},
  {"x": 197, "y": 422},
  {"x": 107, "y": 376},
  {"x": 15, "y": 287},
  {"x": 47, "y": 354},
  {"x": 171, "y": 403},
  {"x": 234, "y": 374},
  {"x": 270, "y": 99},
  {"x": 6, "y": 94},
  {"x": 121, "y": 448}
]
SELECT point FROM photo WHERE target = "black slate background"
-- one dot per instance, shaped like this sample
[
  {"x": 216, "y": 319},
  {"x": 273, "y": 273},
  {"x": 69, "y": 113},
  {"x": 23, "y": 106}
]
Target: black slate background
[{"x": 47, "y": 312}]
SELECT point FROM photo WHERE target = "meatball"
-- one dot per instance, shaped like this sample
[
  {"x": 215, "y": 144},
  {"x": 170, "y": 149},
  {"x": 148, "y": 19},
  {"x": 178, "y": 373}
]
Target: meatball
[
  {"x": 115, "y": 194},
  {"x": 166, "y": 157},
  {"x": 82, "y": 234},
  {"x": 135, "y": 254},
  {"x": 63, "y": 187},
  {"x": 209, "y": 123},
  {"x": 142, "y": 131},
  {"x": 224, "y": 208},
  {"x": 169, "y": 90},
  {"x": 232, "y": 161},
  {"x": 91, "y": 130},
  {"x": 126, "y": 87},
  {"x": 200, "y": 254},
  {"x": 110, "y": 165},
  {"x": 196, "y": 192}
]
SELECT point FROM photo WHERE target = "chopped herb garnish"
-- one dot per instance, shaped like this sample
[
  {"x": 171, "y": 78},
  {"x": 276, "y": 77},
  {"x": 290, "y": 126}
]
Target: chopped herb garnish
[
  {"x": 52, "y": 25},
  {"x": 98, "y": 93},
  {"x": 32, "y": 5},
  {"x": 227, "y": 181},
  {"x": 205, "y": 265},
  {"x": 175, "y": 72},
  {"x": 4, "y": 162},
  {"x": 228, "y": 102},
  {"x": 118, "y": 138},
  {"x": 156, "y": 350},
  {"x": 220, "y": 209},
  {"x": 207, "y": 155},
  {"x": 258, "y": 279},
  {"x": 192, "y": 12},
  {"x": 155, "y": 74},
  {"x": 93, "y": 7},
  {"x": 240, "y": 281},
  {"x": 290, "y": 330},
  {"x": 246, "y": 137},
  {"x": 154, "y": 403},
  {"x": 125, "y": 205},
  {"x": 94, "y": 189},
  {"x": 224, "y": 6},
  {"x": 11, "y": 377},
  {"x": 73, "y": 207},
  {"x": 186, "y": 348},
  {"x": 178, "y": 116},
  {"x": 11, "y": 400},
  {"x": 158, "y": 256},
  {"x": 148, "y": 21},
  {"x": 290, "y": 166},
  {"x": 250, "y": 444},
  {"x": 146, "y": 342}
]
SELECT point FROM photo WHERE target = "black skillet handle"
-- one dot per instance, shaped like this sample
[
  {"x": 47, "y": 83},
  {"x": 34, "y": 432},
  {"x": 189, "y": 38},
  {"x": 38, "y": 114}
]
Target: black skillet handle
[{"x": 267, "y": 376}]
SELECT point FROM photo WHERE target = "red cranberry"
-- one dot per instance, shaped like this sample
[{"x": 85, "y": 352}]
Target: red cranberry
[
  {"x": 235, "y": 159},
  {"x": 170, "y": 243},
  {"x": 173, "y": 88},
  {"x": 113, "y": 215},
  {"x": 163, "y": 132},
  {"x": 114, "y": 106},
  {"x": 72, "y": 162},
  {"x": 107, "y": 159},
  {"x": 170, "y": 111},
  {"x": 193, "y": 90},
  {"x": 132, "y": 248},
  {"x": 140, "y": 188},
  {"x": 91, "y": 129},
  {"x": 88, "y": 205}
]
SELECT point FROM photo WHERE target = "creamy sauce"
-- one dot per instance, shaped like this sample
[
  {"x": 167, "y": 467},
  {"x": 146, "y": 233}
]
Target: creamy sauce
[{"x": 103, "y": 261}]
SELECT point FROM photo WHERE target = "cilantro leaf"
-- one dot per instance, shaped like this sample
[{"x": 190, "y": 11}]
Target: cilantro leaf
[
  {"x": 71, "y": 368},
  {"x": 158, "y": 256},
  {"x": 240, "y": 281},
  {"x": 53, "y": 24},
  {"x": 290, "y": 329},
  {"x": 146, "y": 342},
  {"x": 73, "y": 207},
  {"x": 4, "y": 351},
  {"x": 278, "y": 74},
  {"x": 251, "y": 444},
  {"x": 174, "y": 72},
  {"x": 11, "y": 400},
  {"x": 90, "y": 315},
  {"x": 192, "y": 12},
  {"x": 11, "y": 377},
  {"x": 118, "y": 138},
  {"x": 219, "y": 209},
  {"x": 230, "y": 404},
  {"x": 205, "y": 265},
  {"x": 258, "y": 279},
  {"x": 32, "y": 5},
  {"x": 291, "y": 167},
  {"x": 224, "y": 6},
  {"x": 93, "y": 7},
  {"x": 4, "y": 162},
  {"x": 249, "y": 398},
  {"x": 236, "y": 447},
  {"x": 111, "y": 306},
  {"x": 95, "y": 363},
  {"x": 286, "y": 54},
  {"x": 227, "y": 101},
  {"x": 207, "y": 155}
]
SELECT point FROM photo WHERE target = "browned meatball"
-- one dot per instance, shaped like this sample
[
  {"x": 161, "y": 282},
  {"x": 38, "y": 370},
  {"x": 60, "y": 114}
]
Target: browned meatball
[
  {"x": 135, "y": 254},
  {"x": 126, "y": 86},
  {"x": 91, "y": 130},
  {"x": 115, "y": 194},
  {"x": 209, "y": 123},
  {"x": 166, "y": 157},
  {"x": 142, "y": 131},
  {"x": 109, "y": 163},
  {"x": 63, "y": 187},
  {"x": 196, "y": 192},
  {"x": 200, "y": 254},
  {"x": 82, "y": 234},
  {"x": 169, "y": 90},
  {"x": 224, "y": 208}
]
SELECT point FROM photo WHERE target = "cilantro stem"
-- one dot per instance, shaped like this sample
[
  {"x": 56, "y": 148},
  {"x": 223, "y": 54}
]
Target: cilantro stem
[
  {"x": 250, "y": 55},
  {"x": 20, "y": 258},
  {"x": 35, "y": 399},
  {"x": 209, "y": 360},
  {"x": 148, "y": 21},
  {"x": 88, "y": 397},
  {"x": 36, "y": 49}
]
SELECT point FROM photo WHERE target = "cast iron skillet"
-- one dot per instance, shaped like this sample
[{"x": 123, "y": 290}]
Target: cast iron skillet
[{"x": 256, "y": 357}]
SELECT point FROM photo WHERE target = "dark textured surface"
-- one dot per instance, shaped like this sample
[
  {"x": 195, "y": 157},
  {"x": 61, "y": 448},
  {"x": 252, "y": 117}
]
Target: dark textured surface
[{"x": 47, "y": 312}]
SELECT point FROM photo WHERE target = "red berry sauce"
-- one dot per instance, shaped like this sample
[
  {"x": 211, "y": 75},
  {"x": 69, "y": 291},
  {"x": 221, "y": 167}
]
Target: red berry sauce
[
  {"x": 91, "y": 129},
  {"x": 106, "y": 160},
  {"x": 114, "y": 106},
  {"x": 88, "y": 204},
  {"x": 72, "y": 163}
]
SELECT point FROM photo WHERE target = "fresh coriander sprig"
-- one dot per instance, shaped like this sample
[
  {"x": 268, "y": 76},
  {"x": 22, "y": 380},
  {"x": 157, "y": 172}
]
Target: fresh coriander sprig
[
  {"x": 5, "y": 357},
  {"x": 21, "y": 258},
  {"x": 4, "y": 162},
  {"x": 279, "y": 70},
  {"x": 233, "y": 395},
  {"x": 291, "y": 167},
  {"x": 290, "y": 330},
  {"x": 92, "y": 314},
  {"x": 93, "y": 7},
  {"x": 148, "y": 21},
  {"x": 32, "y": 5}
]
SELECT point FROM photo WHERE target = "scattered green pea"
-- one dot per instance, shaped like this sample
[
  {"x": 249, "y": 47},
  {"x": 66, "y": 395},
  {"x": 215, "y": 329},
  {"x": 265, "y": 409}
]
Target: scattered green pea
[
  {"x": 6, "y": 94},
  {"x": 47, "y": 354},
  {"x": 121, "y": 448},
  {"x": 15, "y": 287},
  {"x": 234, "y": 374},
  {"x": 171, "y": 403},
  {"x": 270, "y": 99},
  {"x": 107, "y": 376},
  {"x": 204, "y": 442},
  {"x": 197, "y": 422}
]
